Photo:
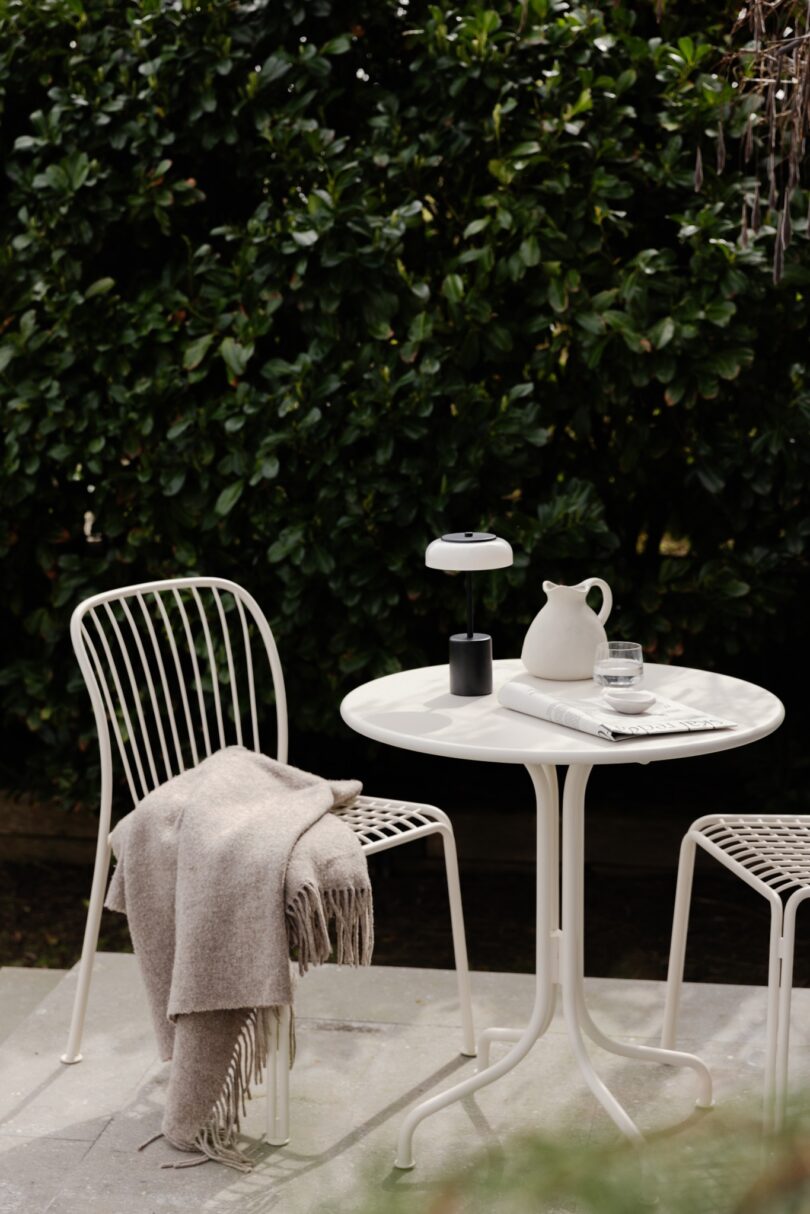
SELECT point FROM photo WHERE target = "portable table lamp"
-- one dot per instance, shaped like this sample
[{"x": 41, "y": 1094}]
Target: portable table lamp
[{"x": 470, "y": 651}]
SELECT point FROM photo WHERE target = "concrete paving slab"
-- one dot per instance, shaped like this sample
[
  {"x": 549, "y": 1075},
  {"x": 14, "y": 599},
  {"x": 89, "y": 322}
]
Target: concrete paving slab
[
  {"x": 351, "y": 1088},
  {"x": 371, "y": 1044},
  {"x": 623, "y": 1008},
  {"x": 395, "y": 995},
  {"x": 39, "y": 1094},
  {"x": 661, "y": 1099},
  {"x": 21, "y": 989},
  {"x": 32, "y": 1170}
]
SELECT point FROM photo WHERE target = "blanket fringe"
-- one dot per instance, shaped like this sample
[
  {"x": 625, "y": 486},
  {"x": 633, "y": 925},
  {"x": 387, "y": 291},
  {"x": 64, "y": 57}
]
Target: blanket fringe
[
  {"x": 149, "y": 1141},
  {"x": 216, "y": 1139},
  {"x": 308, "y": 919}
]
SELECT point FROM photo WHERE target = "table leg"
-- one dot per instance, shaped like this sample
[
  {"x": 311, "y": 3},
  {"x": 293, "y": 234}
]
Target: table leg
[
  {"x": 547, "y": 917},
  {"x": 559, "y": 961},
  {"x": 576, "y": 1015}
]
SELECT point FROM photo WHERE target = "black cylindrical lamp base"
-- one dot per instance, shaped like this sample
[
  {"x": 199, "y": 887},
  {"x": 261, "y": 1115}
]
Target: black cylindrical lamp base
[{"x": 470, "y": 664}]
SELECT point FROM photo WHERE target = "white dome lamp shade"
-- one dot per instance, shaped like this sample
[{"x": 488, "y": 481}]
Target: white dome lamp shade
[{"x": 470, "y": 651}]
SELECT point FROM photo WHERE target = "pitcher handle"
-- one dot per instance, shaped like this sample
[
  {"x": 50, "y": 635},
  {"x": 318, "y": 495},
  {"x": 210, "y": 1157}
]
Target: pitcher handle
[{"x": 607, "y": 597}]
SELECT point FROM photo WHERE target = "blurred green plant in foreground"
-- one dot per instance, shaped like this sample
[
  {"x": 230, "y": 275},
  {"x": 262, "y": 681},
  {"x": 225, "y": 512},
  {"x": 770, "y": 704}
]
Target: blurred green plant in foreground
[{"x": 712, "y": 1167}]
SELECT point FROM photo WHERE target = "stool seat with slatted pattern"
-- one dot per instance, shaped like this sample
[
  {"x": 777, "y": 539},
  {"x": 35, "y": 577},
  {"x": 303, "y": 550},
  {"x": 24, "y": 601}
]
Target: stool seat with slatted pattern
[
  {"x": 771, "y": 853},
  {"x": 174, "y": 671}
]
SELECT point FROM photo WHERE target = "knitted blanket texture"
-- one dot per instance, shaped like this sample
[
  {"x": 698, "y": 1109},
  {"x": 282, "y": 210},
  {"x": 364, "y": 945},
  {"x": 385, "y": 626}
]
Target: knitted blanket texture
[{"x": 222, "y": 872}]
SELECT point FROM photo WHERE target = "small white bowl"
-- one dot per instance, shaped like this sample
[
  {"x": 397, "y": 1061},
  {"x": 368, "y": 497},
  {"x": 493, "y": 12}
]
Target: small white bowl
[{"x": 627, "y": 699}]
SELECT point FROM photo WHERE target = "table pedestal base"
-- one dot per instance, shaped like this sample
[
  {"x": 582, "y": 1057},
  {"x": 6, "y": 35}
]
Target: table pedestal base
[{"x": 559, "y": 963}]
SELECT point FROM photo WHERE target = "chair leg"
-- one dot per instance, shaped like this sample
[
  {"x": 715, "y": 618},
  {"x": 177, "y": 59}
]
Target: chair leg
[
  {"x": 72, "y": 1052},
  {"x": 785, "y": 991},
  {"x": 677, "y": 948},
  {"x": 772, "y": 1016},
  {"x": 468, "y": 1047},
  {"x": 278, "y": 1082}
]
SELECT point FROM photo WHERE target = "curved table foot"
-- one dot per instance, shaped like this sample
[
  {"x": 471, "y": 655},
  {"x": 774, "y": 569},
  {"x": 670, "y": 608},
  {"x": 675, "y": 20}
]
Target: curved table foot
[
  {"x": 648, "y": 1053},
  {"x": 535, "y": 1028},
  {"x": 577, "y": 1017},
  {"x": 486, "y": 1038}
]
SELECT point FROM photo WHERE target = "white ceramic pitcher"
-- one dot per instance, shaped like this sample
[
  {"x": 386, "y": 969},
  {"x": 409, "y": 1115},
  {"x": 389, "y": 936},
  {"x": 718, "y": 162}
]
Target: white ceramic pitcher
[{"x": 562, "y": 639}]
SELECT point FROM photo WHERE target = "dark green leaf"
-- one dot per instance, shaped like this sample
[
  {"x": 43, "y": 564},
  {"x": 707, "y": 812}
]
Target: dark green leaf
[
  {"x": 229, "y": 497},
  {"x": 453, "y": 288},
  {"x": 720, "y": 312},
  {"x": 235, "y": 356},
  {"x": 421, "y": 327},
  {"x": 662, "y": 333},
  {"x": 557, "y": 295},
  {"x": 337, "y": 46},
  {"x": 195, "y": 353},
  {"x": 100, "y": 287}
]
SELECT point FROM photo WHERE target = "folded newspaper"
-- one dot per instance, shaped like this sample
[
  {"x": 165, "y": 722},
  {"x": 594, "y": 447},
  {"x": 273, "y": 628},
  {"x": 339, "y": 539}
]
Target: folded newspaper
[{"x": 591, "y": 714}]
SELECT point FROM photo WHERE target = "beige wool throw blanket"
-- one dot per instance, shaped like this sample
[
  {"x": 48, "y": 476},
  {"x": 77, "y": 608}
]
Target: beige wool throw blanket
[{"x": 223, "y": 872}]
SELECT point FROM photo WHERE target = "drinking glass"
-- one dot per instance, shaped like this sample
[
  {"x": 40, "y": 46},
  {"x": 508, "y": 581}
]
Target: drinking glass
[{"x": 618, "y": 664}]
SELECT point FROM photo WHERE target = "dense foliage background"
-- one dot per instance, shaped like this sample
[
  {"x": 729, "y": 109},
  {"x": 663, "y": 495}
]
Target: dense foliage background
[{"x": 288, "y": 289}]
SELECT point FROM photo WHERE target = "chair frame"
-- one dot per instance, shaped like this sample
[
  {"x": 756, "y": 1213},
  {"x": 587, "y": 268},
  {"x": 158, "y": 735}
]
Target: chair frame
[
  {"x": 771, "y": 853},
  {"x": 107, "y": 666}
]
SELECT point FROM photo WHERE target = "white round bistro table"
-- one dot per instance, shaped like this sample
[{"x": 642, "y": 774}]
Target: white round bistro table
[{"x": 414, "y": 710}]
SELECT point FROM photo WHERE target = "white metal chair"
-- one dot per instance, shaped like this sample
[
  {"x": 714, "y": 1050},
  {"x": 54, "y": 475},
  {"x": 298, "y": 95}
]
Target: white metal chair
[
  {"x": 771, "y": 853},
  {"x": 169, "y": 666}
]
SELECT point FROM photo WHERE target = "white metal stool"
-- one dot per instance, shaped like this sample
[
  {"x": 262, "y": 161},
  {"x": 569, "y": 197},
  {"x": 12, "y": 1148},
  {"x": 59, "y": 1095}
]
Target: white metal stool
[
  {"x": 170, "y": 669},
  {"x": 771, "y": 853}
]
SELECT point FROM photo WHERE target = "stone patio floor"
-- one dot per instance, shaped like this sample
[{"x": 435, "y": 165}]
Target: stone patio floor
[{"x": 370, "y": 1044}]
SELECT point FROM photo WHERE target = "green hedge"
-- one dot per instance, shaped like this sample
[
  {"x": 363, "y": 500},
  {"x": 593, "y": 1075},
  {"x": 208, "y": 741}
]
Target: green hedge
[{"x": 288, "y": 289}]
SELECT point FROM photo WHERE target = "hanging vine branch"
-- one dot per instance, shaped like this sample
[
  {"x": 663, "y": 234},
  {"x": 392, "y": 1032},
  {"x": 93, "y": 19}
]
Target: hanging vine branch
[{"x": 775, "y": 66}]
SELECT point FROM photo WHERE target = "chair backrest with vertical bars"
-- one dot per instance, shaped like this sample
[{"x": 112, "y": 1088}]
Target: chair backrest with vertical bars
[{"x": 174, "y": 669}]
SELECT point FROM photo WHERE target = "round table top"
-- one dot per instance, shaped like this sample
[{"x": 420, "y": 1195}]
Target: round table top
[{"x": 413, "y": 709}]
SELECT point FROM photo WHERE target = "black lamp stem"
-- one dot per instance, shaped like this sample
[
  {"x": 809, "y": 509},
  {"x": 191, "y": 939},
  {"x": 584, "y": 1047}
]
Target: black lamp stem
[{"x": 470, "y": 628}]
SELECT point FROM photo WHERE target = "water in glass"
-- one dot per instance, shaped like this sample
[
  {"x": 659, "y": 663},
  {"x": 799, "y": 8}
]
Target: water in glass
[
  {"x": 618, "y": 664},
  {"x": 617, "y": 672}
]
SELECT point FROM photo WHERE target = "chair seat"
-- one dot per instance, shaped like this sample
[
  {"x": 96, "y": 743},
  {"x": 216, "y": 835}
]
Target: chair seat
[
  {"x": 380, "y": 822},
  {"x": 772, "y": 849},
  {"x": 771, "y": 853}
]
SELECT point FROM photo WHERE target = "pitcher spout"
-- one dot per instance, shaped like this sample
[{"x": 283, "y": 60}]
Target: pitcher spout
[{"x": 581, "y": 588}]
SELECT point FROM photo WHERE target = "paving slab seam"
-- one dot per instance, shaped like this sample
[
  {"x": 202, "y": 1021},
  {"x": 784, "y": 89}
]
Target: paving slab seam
[
  {"x": 325, "y": 1023},
  {"x": 57, "y": 1136}
]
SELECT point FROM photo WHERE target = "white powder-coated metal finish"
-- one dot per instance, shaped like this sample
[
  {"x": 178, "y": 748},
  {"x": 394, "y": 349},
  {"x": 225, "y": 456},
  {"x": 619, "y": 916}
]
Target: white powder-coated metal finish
[
  {"x": 771, "y": 853},
  {"x": 173, "y": 668},
  {"x": 414, "y": 709}
]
